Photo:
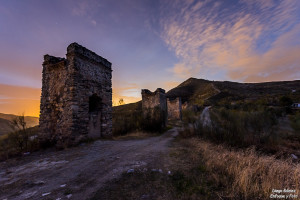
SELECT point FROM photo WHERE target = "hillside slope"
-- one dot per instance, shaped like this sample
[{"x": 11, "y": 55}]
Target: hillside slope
[
  {"x": 196, "y": 90},
  {"x": 193, "y": 90},
  {"x": 5, "y": 121}
]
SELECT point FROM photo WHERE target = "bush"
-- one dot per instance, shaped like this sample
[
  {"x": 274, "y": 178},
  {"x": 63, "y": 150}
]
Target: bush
[
  {"x": 129, "y": 118},
  {"x": 295, "y": 119},
  {"x": 18, "y": 142},
  {"x": 236, "y": 127},
  {"x": 285, "y": 101},
  {"x": 189, "y": 116},
  {"x": 126, "y": 121}
]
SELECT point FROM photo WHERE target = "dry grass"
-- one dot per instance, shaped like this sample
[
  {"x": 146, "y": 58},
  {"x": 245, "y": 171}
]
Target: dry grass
[
  {"x": 245, "y": 174},
  {"x": 203, "y": 170}
]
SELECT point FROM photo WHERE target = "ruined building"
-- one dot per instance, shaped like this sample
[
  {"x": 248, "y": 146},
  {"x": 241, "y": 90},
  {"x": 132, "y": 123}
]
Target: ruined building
[
  {"x": 76, "y": 100},
  {"x": 154, "y": 103},
  {"x": 174, "y": 108},
  {"x": 170, "y": 108}
]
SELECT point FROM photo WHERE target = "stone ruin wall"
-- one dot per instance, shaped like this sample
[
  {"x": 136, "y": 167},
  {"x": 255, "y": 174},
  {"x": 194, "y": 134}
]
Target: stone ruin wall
[
  {"x": 174, "y": 108},
  {"x": 76, "y": 101},
  {"x": 150, "y": 100}
]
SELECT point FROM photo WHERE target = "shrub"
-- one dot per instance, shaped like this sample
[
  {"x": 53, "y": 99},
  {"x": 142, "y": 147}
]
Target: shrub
[
  {"x": 20, "y": 141},
  {"x": 237, "y": 127},
  {"x": 295, "y": 119},
  {"x": 285, "y": 101},
  {"x": 129, "y": 118},
  {"x": 20, "y": 136},
  {"x": 126, "y": 121},
  {"x": 189, "y": 116}
]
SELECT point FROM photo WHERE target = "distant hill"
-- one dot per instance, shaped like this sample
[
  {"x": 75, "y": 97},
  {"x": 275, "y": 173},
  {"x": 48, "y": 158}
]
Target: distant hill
[
  {"x": 193, "y": 89},
  {"x": 196, "y": 90},
  {"x": 5, "y": 121}
]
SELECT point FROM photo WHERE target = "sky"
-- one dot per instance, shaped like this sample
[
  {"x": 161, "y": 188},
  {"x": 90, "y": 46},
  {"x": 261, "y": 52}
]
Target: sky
[{"x": 150, "y": 43}]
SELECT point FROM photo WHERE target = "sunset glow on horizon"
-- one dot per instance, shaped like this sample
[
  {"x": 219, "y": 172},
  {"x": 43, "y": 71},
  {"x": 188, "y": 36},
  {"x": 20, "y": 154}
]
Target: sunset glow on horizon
[{"x": 151, "y": 43}]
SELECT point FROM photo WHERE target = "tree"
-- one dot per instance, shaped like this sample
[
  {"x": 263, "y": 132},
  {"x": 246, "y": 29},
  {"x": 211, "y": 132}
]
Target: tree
[
  {"x": 20, "y": 134},
  {"x": 121, "y": 101}
]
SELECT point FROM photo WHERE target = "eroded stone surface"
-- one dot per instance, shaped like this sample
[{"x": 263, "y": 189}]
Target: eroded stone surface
[
  {"x": 154, "y": 100},
  {"x": 174, "y": 108},
  {"x": 76, "y": 101}
]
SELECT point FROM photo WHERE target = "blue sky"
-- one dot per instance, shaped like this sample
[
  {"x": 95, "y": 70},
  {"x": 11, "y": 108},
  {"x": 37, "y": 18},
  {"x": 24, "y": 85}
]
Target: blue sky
[{"x": 152, "y": 43}]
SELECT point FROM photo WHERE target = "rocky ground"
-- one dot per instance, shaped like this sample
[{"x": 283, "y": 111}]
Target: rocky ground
[{"x": 77, "y": 173}]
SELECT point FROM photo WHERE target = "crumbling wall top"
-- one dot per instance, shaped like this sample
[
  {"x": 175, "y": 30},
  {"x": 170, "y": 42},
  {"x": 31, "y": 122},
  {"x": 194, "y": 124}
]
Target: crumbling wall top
[
  {"x": 77, "y": 49},
  {"x": 52, "y": 59},
  {"x": 174, "y": 99},
  {"x": 160, "y": 90},
  {"x": 148, "y": 92}
]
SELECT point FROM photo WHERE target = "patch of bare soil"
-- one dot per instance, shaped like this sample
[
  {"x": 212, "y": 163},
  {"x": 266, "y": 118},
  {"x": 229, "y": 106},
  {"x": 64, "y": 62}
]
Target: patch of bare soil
[
  {"x": 79, "y": 172},
  {"x": 187, "y": 178}
]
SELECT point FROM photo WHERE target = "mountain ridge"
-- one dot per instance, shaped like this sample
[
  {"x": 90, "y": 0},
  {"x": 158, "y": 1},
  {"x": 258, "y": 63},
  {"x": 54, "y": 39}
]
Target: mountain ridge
[{"x": 195, "y": 90}]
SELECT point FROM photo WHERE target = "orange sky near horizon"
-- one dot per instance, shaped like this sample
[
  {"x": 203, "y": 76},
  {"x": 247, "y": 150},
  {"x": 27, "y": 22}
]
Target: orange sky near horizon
[{"x": 18, "y": 100}]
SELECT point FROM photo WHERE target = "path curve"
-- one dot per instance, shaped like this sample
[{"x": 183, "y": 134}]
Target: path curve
[{"x": 80, "y": 171}]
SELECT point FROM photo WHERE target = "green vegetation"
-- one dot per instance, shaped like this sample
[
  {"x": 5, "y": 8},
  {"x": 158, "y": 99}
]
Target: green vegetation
[
  {"x": 244, "y": 125},
  {"x": 129, "y": 118},
  {"x": 285, "y": 101},
  {"x": 295, "y": 119},
  {"x": 240, "y": 128}
]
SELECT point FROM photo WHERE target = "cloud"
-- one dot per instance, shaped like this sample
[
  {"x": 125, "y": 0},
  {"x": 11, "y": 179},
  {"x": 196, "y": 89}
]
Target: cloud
[
  {"x": 11, "y": 91},
  {"x": 94, "y": 22},
  {"x": 83, "y": 7},
  {"x": 250, "y": 40},
  {"x": 86, "y": 9}
]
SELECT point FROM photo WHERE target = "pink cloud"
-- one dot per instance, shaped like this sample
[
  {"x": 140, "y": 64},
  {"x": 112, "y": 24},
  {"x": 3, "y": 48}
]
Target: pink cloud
[{"x": 201, "y": 40}]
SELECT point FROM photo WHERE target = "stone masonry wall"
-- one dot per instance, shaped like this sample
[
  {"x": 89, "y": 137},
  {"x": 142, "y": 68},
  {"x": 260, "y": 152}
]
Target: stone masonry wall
[
  {"x": 151, "y": 100},
  {"x": 76, "y": 101},
  {"x": 174, "y": 109}
]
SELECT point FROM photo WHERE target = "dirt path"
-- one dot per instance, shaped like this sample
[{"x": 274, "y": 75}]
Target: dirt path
[{"x": 78, "y": 172}]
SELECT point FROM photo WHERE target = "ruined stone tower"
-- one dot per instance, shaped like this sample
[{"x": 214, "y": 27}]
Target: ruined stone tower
[
  {"x": 76, "y": 101},
  {"x": 154, "y": 101}
]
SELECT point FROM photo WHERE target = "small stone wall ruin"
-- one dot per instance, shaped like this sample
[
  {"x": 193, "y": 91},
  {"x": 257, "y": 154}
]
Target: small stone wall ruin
[
  {"x": 76, "y": 100},
  {"x": 174, "y": 108},
  {"x": 154, "y": 100},
  {"x": 171, "y": 107}
]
